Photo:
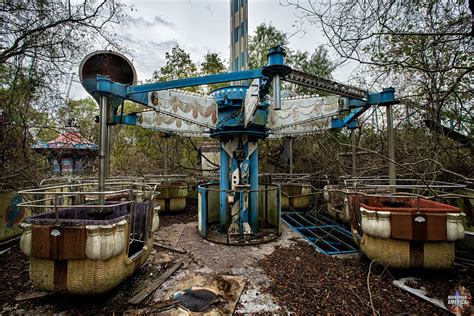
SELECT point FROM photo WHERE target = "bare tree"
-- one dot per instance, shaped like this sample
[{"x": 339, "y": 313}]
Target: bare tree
[
  {"x": 54, "y": 31},
  {"x": 422, "y": 48},
  {"x": 41, "y": 42}
]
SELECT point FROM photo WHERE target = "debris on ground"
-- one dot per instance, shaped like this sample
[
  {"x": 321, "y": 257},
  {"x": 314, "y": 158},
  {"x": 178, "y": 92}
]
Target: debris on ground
[
  {"x": 420, "y": 292},
  {"x": 285, "y": 276},
  {"x": 155, "y": 244},
  {"x": 307, "y": 282},
  {"x": 137, "y": 299},
  {"x": 189, "y": 214}
]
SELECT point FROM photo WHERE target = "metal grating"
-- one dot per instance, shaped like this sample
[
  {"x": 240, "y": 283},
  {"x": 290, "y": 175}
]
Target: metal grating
[{"x": 322, "y": 232}]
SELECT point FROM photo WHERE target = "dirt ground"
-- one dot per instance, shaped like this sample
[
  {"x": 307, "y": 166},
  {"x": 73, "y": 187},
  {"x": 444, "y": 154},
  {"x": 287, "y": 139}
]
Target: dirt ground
[
  {"x": 287, "y": 275},
  {"x": 311, "y": 282}
]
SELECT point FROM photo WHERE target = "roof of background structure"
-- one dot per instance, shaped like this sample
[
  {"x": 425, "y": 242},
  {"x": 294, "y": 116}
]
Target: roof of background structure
[{"x": 68, "y": 140}]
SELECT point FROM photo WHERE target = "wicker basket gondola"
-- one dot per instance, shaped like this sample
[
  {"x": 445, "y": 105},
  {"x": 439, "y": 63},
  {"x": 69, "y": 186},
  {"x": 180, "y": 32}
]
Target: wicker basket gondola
[{"x": 78, "y": 255}]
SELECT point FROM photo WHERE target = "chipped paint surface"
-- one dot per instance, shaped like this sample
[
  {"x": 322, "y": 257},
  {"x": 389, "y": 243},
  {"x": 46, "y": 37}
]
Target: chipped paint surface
[{"x": 301, "y": 116}]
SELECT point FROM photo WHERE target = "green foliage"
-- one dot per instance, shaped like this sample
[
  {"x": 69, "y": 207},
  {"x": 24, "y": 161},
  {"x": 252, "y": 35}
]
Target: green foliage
[
  {"x": 318, "y": 63},
  {"x": 213, "y": 64},
  {"x": 298, "y": 60},
  {"x": 178, "y": 66},
  {"x": 266, "y": 37},
  {"x": 48, "y": 130},
  {"x": 18, "y": 121},
  {"x": 135, "y": 151},
  {"x": 84, "y": 112}
]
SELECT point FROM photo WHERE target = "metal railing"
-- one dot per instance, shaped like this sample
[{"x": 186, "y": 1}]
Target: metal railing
[
  {"x": 265, "y": 214},
  {"x": 78, "y": 204}
]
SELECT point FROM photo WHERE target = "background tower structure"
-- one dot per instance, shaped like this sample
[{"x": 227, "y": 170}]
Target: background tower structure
[
  {"x": 238, "y": 209},
  {"x": 239, "y": 35},
  {"x": 69, "y": 153}
]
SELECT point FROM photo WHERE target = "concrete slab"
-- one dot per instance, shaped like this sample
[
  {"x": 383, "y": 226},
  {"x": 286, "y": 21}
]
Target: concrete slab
[
  {"x": 227, "y": 287},
  {"x": 205, "y": 257},
  {"x": 170, "y": 235}
]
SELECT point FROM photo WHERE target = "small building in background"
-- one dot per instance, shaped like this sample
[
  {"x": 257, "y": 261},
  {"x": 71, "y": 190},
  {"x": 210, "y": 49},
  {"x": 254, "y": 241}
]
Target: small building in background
[
  {"x": 70, "y": 153},
  {"x": 210, "y": 156}
]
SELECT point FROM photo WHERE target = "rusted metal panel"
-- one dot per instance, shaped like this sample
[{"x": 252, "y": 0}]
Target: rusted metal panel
[
  {"x": 421, "y": 227},
  {"x": 401, "y": 226},
  {"x": 419, "y": 224},
  {"x": 436, "y": 228},
  {"x": 58, "y": 243},
  {"x": 60, "y": 276},
  {"x": 417, "y": 256},
  {"x": 40, "y": 241},
  {"x": 74, "y": 243}
]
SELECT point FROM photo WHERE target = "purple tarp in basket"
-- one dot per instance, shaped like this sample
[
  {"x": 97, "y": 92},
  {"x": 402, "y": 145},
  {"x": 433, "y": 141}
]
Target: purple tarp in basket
[{"x": 76, "y": 216}]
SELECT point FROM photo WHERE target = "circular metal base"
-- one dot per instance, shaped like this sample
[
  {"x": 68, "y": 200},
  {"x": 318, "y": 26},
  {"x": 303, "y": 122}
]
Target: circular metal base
[
  {"x": 265, "y": 235},
  {"x": 228, "y": 134}
]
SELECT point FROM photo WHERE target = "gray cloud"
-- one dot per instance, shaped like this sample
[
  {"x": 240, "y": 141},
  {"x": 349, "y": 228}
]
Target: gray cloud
[
  {"x": 160, "y": 20},
  {"x": 206, "y": 5},
  {"x": 166, "y": 45},
  {"x": 128, "y": 38},
  {"x": 148, "y": 56},
  {"x": 157, "y": 20}
]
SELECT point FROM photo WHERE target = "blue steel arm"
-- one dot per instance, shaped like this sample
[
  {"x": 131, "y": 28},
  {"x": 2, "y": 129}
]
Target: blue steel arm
[
  {"x": 139, "y": 93},
  {"x": 128, "y": 119},
  {"x": 196, "y": 81},
  {"x": 103, "y": 85},
  {"x": 386, "y": 97},
  {"x": 349, "y": 120}
]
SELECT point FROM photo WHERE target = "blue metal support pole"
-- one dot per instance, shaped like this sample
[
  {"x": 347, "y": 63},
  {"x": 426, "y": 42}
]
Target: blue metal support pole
[
  {"x": 254, "y": 190},
  {"x": 224, "y": 186}
]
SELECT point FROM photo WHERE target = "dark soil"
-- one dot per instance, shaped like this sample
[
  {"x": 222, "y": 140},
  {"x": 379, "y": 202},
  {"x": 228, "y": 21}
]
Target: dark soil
[
  {"x": 14, "y": 276},
  {"x": 304, "y": 282},
  {"x": 183, "y": 217},
  {"x": 307, "y": 282},
  {"x": 14, "y": 280},
  {"x": 441, "y": 284}
]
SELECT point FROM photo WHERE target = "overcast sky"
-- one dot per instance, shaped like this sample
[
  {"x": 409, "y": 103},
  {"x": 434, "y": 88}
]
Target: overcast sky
[{"x": 201, "y": 26}]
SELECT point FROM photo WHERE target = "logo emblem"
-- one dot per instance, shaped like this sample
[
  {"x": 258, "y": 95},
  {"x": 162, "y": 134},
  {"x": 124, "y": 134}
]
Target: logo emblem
[{"x": 460, "y": 300}]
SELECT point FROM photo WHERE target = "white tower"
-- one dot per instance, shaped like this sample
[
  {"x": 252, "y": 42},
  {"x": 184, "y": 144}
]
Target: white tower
[{"x": 239, "y": 35}]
